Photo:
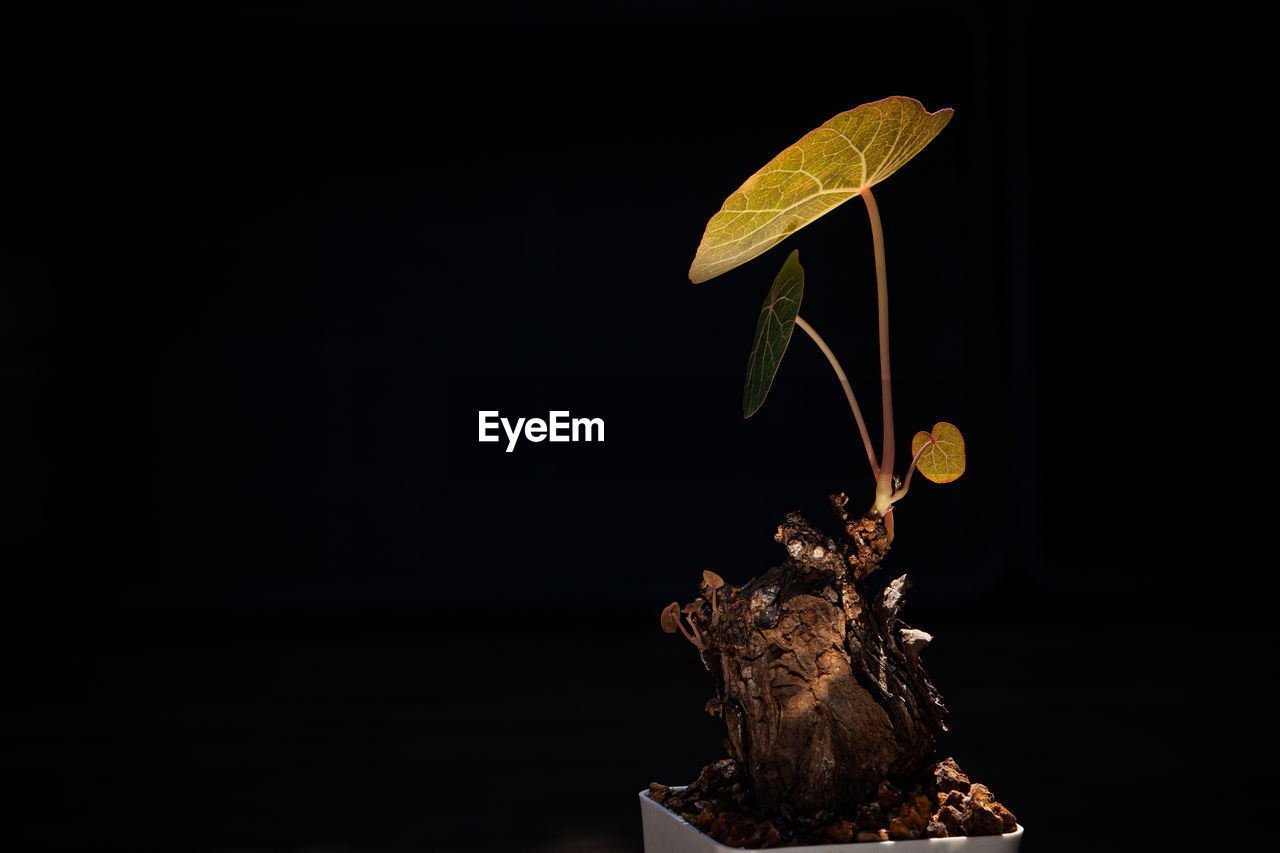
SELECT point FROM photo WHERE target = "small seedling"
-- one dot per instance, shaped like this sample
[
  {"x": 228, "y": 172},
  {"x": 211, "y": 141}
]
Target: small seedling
[
  {"x": 710, "y": 583},
  {"x": 671, "y": 622},
  {"x": 838, "y": 161}
]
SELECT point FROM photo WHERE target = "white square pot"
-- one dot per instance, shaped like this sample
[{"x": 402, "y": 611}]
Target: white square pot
[{"x": 667, "y": 832}]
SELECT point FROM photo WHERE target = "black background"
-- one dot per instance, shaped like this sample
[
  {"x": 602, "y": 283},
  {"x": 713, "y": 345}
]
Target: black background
[{"x": 261, "y": 267}]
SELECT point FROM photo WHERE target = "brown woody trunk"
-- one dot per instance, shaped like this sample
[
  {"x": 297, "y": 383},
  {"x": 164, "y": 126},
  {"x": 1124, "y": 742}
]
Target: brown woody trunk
[{"x": 819, "y": 684}]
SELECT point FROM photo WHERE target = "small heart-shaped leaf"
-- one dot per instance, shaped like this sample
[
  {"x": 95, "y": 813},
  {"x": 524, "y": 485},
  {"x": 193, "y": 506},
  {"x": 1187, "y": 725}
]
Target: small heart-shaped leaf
[
  {"x": 943, "y": 458},
  {"x": 773, "y": 333},
  {"x": 823, "y": 169}
]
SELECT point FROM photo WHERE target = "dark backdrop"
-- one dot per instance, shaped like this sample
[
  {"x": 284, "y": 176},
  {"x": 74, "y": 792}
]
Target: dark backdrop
[{"x": 262, "y": 266}]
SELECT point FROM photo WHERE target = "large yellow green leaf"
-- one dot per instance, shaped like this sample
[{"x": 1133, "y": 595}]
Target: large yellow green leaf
[
  {"x": 773, "y": 332},
  {"x": 942, "y": 459},
  {"x": 826, "y": 167}
]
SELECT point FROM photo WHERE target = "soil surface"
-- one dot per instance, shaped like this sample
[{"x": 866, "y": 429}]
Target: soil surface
[{"x": 943, "y": 803}]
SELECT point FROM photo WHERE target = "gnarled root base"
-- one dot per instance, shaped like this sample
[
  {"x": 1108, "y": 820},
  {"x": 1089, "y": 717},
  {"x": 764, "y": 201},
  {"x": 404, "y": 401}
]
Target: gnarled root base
[{"x": 818, "y": 682}]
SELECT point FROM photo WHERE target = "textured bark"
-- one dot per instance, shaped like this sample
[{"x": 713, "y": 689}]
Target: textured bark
[{"x": 818, "y": 682}]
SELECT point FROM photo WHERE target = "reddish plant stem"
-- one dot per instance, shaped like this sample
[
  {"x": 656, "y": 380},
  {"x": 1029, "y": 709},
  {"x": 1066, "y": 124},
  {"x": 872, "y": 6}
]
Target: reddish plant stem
[
  {"x": 848, "y": 392},
  {"x": 884, "y": 483},
  {"x": 906, "y": 483}
]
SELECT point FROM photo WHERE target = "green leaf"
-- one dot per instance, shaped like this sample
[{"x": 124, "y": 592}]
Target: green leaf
[
  {"x": 773, "y": 332},
  {"x": 826, "y": 167},
  {"x": 943, "y": 458}
]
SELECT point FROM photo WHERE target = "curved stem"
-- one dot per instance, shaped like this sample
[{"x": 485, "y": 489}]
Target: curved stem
[
  {"x": 848, "y": 391},
  {"x": 884, "y": 482},
  {"x": 906, "y": 484}
]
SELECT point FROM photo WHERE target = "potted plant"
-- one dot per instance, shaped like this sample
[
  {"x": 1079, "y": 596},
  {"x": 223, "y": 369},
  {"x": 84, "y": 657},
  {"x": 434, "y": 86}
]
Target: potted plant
[{"x": 831, "y": 718}]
